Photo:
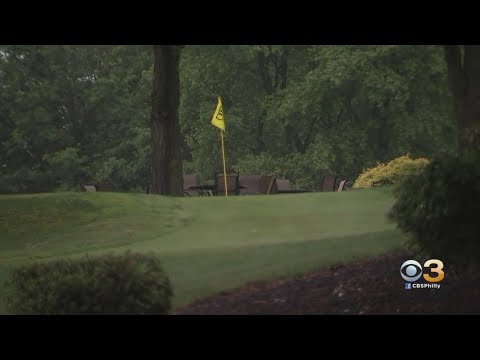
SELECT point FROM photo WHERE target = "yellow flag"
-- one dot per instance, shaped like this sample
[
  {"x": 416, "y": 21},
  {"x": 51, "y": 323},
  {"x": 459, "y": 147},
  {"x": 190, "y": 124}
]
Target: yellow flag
[{"x": 218, "y": 119}]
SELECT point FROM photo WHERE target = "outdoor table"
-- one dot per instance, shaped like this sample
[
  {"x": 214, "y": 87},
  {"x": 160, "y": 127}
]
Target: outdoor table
[
  {"x": 202, "y": 189},
  {"x": 299, "y": 191},
  {"x": 209, "y": 189}
]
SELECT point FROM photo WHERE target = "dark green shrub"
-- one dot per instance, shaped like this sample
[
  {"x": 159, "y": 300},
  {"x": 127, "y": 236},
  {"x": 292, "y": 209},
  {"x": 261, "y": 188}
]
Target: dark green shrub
[
  {"x": 440, "y": 209},
  {"x": 110, "y": 284}
]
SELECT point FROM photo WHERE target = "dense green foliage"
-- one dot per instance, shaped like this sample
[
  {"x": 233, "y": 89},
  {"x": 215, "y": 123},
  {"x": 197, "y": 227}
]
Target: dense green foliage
[
  {"x": 73, "y": 114},
  {"x": 108, "y": 284},
  {"x": 439, "y": 209}
]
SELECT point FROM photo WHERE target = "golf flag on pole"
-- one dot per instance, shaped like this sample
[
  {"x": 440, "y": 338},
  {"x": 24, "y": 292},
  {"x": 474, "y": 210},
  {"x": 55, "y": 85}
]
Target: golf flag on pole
[{"x": 218, "y": 119}]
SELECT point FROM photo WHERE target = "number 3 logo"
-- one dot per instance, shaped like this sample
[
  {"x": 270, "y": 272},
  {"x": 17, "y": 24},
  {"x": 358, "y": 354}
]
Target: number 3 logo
[{"x": 438, "y": 269}]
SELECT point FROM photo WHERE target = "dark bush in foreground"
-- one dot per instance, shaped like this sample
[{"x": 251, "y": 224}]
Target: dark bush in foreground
[
  {"x": 109, "y": 284},
  {"x": 440, "y": 209}
]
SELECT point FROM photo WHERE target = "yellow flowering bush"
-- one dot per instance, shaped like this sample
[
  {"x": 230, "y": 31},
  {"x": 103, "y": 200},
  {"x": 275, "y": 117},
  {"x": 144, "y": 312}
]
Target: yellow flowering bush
[{"x": 390, "y": 172}]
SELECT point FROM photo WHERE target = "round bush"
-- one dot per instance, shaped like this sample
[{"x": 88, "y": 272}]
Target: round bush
[
  {"x": 131, "y": 283},
  {"x": 439, "y": 208},
  {"x": 391, "y": 172}
]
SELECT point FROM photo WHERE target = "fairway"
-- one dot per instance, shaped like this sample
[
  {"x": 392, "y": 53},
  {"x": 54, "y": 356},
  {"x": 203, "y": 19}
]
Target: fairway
[{"x": 207, "y": 244}]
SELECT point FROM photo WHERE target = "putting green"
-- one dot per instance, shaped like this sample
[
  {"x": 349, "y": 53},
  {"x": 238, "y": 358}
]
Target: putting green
[{"x": 207, "y": 244}]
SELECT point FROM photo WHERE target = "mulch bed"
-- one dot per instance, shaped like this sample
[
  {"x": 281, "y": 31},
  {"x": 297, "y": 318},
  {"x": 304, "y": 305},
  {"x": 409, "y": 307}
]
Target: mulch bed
[{"x": 372, "y": 287}]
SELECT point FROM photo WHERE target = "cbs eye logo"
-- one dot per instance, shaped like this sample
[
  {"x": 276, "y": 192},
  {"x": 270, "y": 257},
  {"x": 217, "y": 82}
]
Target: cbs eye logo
[{"x": 411, "y": 270}]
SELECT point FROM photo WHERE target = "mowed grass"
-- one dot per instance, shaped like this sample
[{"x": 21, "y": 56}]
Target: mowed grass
[{"x": 207, "y": 244}]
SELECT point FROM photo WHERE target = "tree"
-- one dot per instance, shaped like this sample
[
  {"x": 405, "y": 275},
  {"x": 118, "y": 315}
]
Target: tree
[
  {"x": 75, "y": 114},
  {"x": 351, "y": 105},
  {"x": 463, "y": 63},
  {"x": 167, "y": 170}
]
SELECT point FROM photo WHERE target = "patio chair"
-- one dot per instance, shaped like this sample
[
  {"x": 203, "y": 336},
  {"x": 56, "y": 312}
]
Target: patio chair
[
  {"x": 191, "y": 180},
  {"x": 341, "y": 186},
  {"x": 104, "y": 187},
  {"x": 258, "y": 185},
  {"x": 283, "y": 185},
  {"x": 328, "y": 183},
  {"x": 89, "y": 188},
  {"x": 271, "y": 184},
  {"x": 233, "y": 184},
  {"x": 251, "y": 184}
]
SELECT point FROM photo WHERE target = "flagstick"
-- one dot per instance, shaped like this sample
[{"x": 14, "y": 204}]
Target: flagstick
[{"x": 224, "y": 167}]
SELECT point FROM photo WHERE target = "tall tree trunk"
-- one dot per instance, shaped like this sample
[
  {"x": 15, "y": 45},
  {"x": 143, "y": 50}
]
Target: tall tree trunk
[
  {"x": 263, "y": 63},
  {"x": 464, "y": 82},
  {"x": 167, "y": 170},
  {"x": 283, "y": 67},
  {"x": 280, "y": 62}
]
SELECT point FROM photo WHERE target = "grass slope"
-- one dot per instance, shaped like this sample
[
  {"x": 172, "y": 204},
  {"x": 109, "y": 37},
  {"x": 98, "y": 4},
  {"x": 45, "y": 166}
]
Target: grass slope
[{"x": 207, "y": 244}]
